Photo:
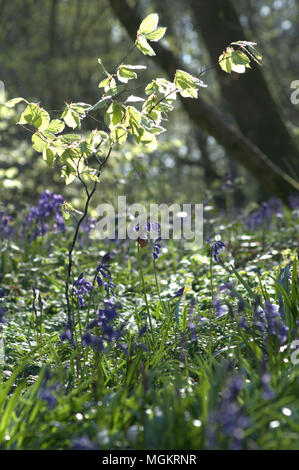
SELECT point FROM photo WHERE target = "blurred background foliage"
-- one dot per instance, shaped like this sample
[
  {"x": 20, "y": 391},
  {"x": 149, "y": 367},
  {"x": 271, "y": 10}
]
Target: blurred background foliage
[{"x": 48, "y": 53}]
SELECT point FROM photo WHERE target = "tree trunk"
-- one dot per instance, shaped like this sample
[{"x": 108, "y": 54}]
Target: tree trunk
[{"x": 271, "y": 177}]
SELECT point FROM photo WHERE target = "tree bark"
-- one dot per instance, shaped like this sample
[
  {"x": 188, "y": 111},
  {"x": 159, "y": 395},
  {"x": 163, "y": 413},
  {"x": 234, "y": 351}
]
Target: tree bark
[
  {"x": 249, "y": 98},
  {"x": 274, "y": 181}
]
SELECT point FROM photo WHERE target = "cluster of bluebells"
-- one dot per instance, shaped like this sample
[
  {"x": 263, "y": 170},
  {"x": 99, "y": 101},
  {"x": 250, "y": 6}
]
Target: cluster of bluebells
[
  {"x": 84, "y": 443},
  {"x": 229, "y": 183},
  {"x": 2, "y": 318},
  {"x": 87, "y": 226},
  {"x": 294, "y": 201},
  {"x": 267, "y": 392},
  {"x": 263, "y": 215},
  {"x": 36, "y": 222},
  {"x": 46, "y": 392},
  {"x": 103, "y": 275},
  {"x": 6, "y": 229},
  {"x": 191, "y": 318},
  {"x": 81, "y": 287},
  {"x": 2, "y": 310},
  {"x": 230, "y": 419},
  {"x": 267, "y": 320},
  {"x": 103, "y": 323},
  {"x": 144, "y": 234}
]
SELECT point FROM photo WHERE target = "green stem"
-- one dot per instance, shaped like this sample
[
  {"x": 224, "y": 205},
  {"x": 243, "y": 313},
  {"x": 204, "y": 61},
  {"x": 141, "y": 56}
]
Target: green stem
[{"x": 157, "y": 283}]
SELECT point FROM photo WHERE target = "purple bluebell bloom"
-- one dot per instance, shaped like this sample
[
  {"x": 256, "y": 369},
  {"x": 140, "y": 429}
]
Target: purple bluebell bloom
[
  {"x": 104, "y": 271},
  {"x": 142, "y": 330},
  {"x": 263, "y": 214},
  {"x": 2, "y": 293},
  {"x": 46, "y": 392},
  {"x": 220, "y": 310},
  {"x": 228, "y": 184},
  {"x": 268, "y": 320},
  {"x": 6, "y": 229},
  {"x": 2, "y": 312},
  {"x": 103, "y": 266},
  {"x": 227, "y": 288},
  {"x": 88, "y": 224},
  {"x": 217, "y": 246},
  {"x": 230, "y": 418},
  {"x": 294, "y": 201},
  {"x": 67, "y": 335},
  {"x": 179, "y": 293},
  {"x": 81, "y": 287},
  {"x": 94, "y": 341}
]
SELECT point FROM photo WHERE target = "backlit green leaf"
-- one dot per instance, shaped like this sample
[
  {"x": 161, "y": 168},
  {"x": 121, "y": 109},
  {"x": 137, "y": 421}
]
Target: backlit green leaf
[
  {"x": 186, "y": 83},
  {"x": 156, "y": 35},
  {"x": 13, "y": 102},
  {"x": 55, "y": 126},
  {"x": 38, "y": 143}
]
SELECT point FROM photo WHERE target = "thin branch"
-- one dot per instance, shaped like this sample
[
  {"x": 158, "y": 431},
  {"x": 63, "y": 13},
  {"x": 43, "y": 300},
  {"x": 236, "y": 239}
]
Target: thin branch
[{"x": 71, "y": 249}]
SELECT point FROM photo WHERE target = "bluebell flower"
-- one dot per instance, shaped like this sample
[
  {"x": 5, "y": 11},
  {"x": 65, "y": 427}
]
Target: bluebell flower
[
  {"x": 230, "y": 418},
  {"x": 227, "y": 288},
  {"x": 179, "y": 293},
  {"x": 276, "y": 206},
  {"x": 228, "y": 184},
  {"x": 81, "y": 287},
  {"x": 2, "y": 312},
  {"x": 262, "y": 215},
  {"x": 35, "y": 223},
  {"x": 268, "y": 321},
  {"x": 144, "y": 236},
  {"x": 294, "y": 201},
  {"x": 84, "y": 443},
  {"x": 267, "y": 394},
  {"x": 46, "y": 392},
  {"x": 142, "y": 330},
  {"x": 243, "y": 323},
  {"x": 103, "y": 266},
  {"x": 94, "y": 341},
  {"x": 104, "y": 271},
  {"x": 103, "y": 321},
  {"x": 88, "y": 224},
  {"x": 157, "y": 248},
  {"x": 2, "y": 293}
]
